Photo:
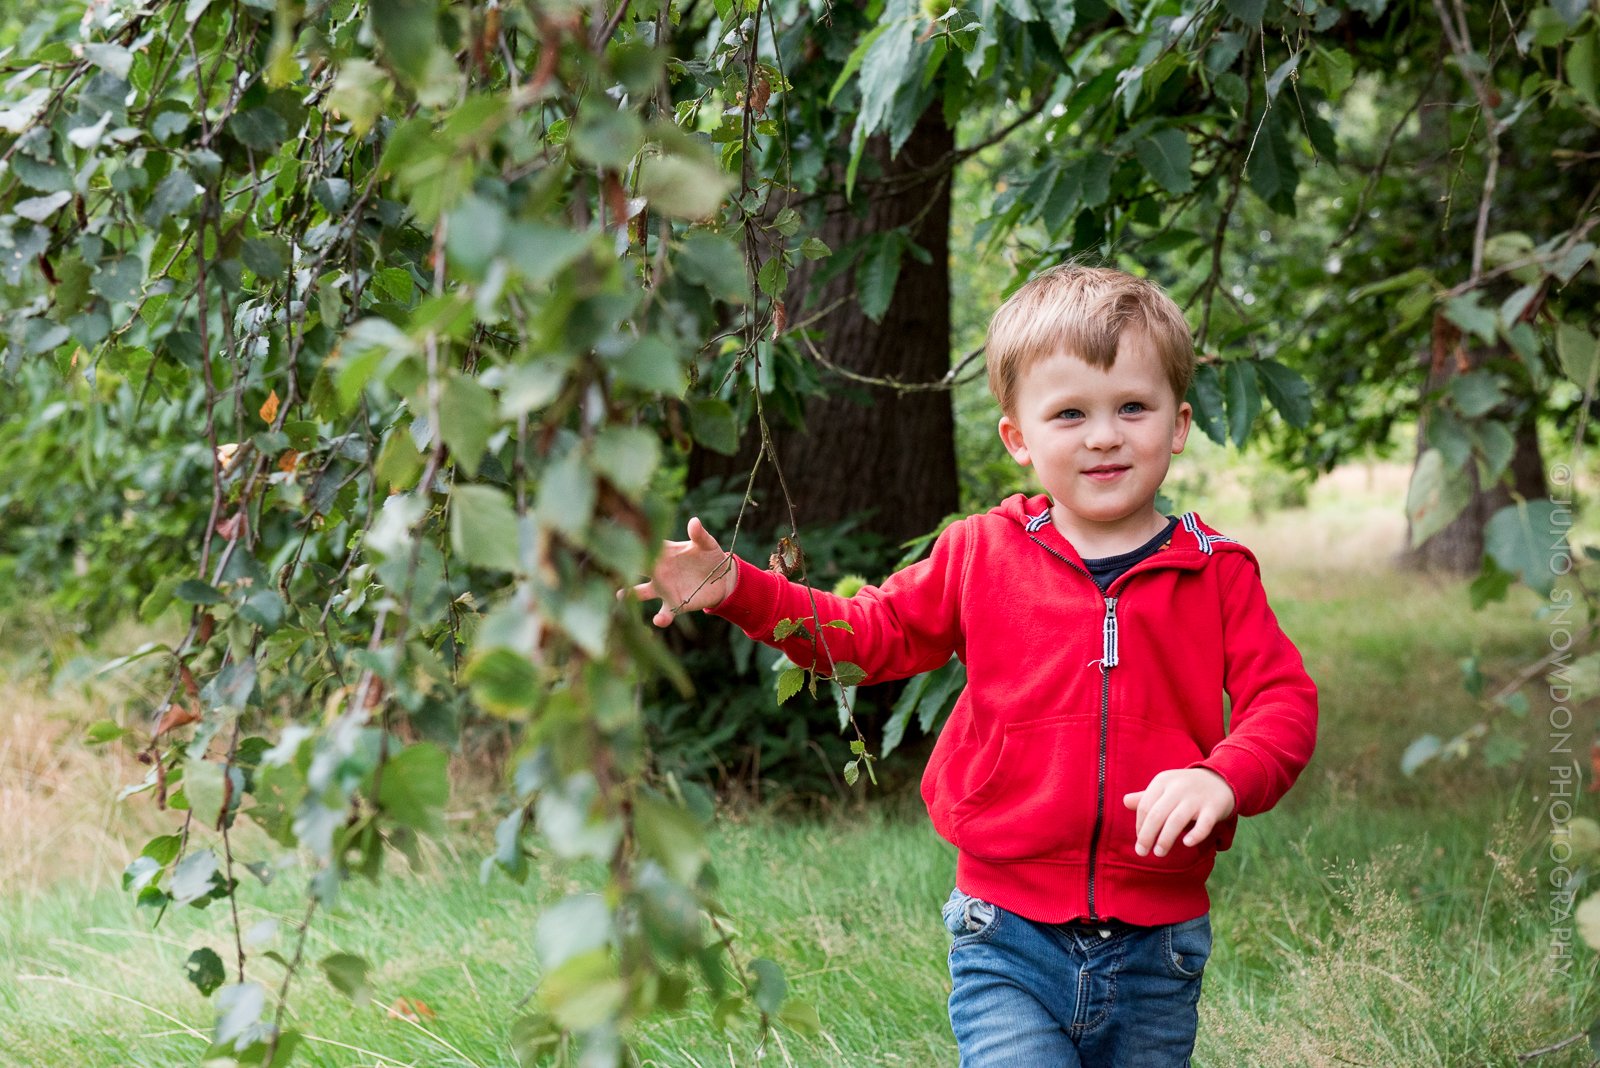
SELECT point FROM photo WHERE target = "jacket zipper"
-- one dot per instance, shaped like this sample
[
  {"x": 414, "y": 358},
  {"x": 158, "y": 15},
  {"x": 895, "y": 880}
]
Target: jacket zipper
[{"x": 1108, "y": 660}]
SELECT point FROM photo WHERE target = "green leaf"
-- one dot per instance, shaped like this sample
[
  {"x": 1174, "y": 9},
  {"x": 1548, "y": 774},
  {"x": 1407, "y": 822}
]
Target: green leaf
[
  {"x": 119, "y": 279},
  {"x": 103, "y": 731},
  {"x": 710, "y": 260},
  {"x": 1244, "y": 399},
  {"x": 1165, "y": 154},
  {"x": 770, "y": 987},
  {"x": 852, "y": 772},
  {"x": 260, "y": 129},
  {"x": 1289, "y": 393},
  {"x": 264, "y": 608},
  {"x": 857, "y": 54},
  {"x": 399, "y": 463},
  {"x": 239, "y": 1009},
  {"x": 712, "y": 423},
  {"x": 800, "y": 1016},
  {"x": 628, "y": 456},
  {"x": 671, "y": 836},
  {"x": 1526, "y": 540},
  {"x": 848, "y": 674},
  {"x": 1581, "y": 67},
  {"x": 1497, "y": 445},
  {"x": 772, "y": 277},
  {"x": 267, "y": 256},
  {"x": 1271, "y": 169},
  {"x": 194, "y": 591},
  {"x": 1579, "y": 353},
  {"x": 567, "y": 494},
  {"x": 1468, "y": 312},
  {"x": 347, "y": 973},
  {"x": 605, "y": 135},
  {"x": 1436, "y": 496},
  {"x": 194, "y": 877},
  {"x": 483, "y": 528},
  {"x": 684, "y": 187},
  {"x": 172, "y": 195},
  {"x": 477, "y": 226},
  {"x": 840, "y": 624},
  {"x": 140, "y": 874},
  {"x": 1205, "y": 394},
  {"x": 414, "y": 787},
  {"x": 877, "y": 274},
  {"x": 466, "y": 419},
  {"x": 789, "y": 682},
  {"x": 38, "y": 209},
  {"x": 503, "y": 681},
  {"x": 204, "y": 969},
  {"x": 785, "y": 629},
  {"x": 1246, "y": 11},
  {"x": 408, "y": 30},
  {"x": 205, "y": 784},
  {"x": 651, "y": 365},
  {"x": 1476, "y": 393}
]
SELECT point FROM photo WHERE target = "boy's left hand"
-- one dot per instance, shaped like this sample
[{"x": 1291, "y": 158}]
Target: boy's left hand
[{"x": 1175, "y": 799}]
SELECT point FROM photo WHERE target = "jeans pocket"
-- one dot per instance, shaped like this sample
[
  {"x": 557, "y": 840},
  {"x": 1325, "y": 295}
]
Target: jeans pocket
[
  {"x": 1187, "y": 946},
  {"x": 969, "y": 919}
]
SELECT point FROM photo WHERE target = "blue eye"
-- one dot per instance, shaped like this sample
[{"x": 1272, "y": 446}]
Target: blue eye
[
  {"x": 1136, "y": 405},
  {"x": 1069, "y": 413}
]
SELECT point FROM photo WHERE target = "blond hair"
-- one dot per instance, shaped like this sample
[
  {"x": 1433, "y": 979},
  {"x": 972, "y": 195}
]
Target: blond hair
[{"x": 1082, "y": 311}]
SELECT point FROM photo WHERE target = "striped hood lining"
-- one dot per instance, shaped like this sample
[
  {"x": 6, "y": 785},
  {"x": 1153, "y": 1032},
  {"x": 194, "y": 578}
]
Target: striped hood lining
[{"x": 1189, "y": 521}]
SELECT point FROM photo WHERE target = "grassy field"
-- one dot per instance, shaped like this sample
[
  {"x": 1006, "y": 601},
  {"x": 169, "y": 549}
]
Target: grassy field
[{"x": 1371, "y": 919}]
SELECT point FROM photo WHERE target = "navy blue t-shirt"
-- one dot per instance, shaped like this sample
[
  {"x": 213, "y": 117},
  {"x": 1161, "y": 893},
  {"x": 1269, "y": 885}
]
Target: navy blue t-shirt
[{"x": 1105, "y": 569}]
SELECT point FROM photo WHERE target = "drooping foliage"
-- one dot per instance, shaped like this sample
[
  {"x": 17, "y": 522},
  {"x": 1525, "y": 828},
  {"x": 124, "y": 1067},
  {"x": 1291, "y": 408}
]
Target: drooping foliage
[{"x": 353, "y": 341}]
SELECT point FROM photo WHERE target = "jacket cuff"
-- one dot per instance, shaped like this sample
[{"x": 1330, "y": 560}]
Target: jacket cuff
[
  {"x": 1245, "y": 775},
  {"x": 753, "y": 604}
]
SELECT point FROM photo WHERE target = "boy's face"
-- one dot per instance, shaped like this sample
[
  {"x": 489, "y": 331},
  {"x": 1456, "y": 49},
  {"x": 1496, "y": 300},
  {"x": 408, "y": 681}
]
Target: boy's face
[{"x": 1101, "y": 440}]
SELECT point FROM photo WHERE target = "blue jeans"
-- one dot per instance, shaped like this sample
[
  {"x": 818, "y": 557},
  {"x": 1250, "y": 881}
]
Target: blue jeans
[{"x": 1050, "y": 995}]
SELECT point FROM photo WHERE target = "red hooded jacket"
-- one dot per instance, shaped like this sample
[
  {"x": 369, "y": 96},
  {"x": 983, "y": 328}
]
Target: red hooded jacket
[{"x": 1073, "y": 699}]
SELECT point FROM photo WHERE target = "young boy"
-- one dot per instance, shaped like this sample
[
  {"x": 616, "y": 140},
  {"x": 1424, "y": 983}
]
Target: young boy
[{"x": 1086, "y": 775}]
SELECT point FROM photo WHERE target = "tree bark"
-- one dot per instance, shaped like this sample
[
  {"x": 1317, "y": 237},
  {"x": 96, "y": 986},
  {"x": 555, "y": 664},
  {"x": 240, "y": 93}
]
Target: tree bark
[{"x": 864, "y": 451}]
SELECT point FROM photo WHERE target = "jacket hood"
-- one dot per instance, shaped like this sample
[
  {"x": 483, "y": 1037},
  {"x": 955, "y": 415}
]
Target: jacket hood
[{"x": 1192, "y": 535}]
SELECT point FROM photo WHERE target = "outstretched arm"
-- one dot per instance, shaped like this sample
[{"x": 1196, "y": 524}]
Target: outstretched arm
[{"x": 908, "y": 625}]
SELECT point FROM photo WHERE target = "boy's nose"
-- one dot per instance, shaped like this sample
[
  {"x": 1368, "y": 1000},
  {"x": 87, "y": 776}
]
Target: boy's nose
[{"x": 1102, "y": 434}]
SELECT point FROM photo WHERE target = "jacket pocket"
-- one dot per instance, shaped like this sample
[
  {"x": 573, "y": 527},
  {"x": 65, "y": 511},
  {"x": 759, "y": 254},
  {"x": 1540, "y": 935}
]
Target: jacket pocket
[
  {"x": 1139, "y": 751},
  {"x": 1038, "y": 798}
]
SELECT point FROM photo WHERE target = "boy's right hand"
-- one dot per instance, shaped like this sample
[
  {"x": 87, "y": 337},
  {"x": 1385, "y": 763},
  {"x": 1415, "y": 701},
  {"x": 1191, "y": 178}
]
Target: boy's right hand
[{"x": 689, "y": 574}]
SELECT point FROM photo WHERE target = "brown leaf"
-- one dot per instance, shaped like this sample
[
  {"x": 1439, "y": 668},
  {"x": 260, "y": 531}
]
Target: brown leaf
[
  {"x": 413, "y": 1009},
  {"x": 231, "y": 527},
  {"x": 186, "y": 677},
  {"x": 288, "y": 462},
  {"x": 226, "y": 453},
  {"x": 788, "y": 561},
  {"x": 780, "y": 318},
  {"x": 208, "y": 623},
  {"x": 763, "y": 93},
  {"x": 269, "y": 408},
  {"x": 177, "y": 716},
  {"x": 616, "y": 199}
]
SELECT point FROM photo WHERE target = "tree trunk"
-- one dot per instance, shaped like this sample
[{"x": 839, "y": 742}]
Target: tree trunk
[
  {"x": 866, "y": 451},
  {"x": 1458, "y": 548}
]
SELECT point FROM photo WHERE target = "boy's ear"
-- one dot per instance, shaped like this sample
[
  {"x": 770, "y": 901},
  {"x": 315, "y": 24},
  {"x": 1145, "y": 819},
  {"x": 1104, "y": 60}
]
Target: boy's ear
[
  {"x": 1011, "y": 438},
  {"x": 1181, "y": 425}
]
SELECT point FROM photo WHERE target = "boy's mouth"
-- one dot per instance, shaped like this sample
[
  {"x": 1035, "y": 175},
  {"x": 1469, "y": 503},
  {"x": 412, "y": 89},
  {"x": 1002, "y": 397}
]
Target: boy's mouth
[{"x": 1106, "y": 472}]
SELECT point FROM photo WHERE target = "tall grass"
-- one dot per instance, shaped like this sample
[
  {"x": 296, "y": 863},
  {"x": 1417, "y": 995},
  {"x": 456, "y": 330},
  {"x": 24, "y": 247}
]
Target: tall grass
[{"x": 1370, "y": 919}]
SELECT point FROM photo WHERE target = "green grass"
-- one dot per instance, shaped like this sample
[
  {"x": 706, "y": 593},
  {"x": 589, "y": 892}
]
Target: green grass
[{"x": 1370, "y": 919}]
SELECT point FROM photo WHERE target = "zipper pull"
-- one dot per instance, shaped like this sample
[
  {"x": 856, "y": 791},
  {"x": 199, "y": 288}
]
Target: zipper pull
[{"x": 1108, "y": 657}]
